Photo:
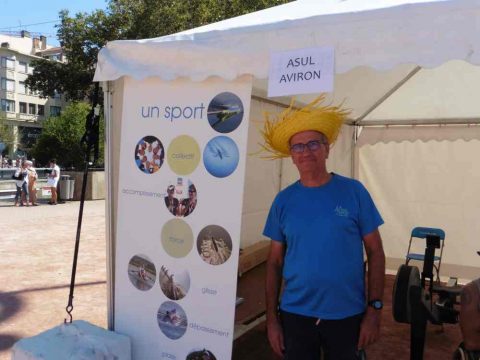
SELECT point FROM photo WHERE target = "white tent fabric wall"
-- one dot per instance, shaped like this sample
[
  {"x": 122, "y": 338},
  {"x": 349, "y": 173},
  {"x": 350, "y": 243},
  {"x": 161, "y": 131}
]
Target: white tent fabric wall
[
  {"x": 262, "y": 178},
  {"x": 427, "y": 175},
  {"x": 432, "y": 184},
  {"x": 447, "y": 92}
]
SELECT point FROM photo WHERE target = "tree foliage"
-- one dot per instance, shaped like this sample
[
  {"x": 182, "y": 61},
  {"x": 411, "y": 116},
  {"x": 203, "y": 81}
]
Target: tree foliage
[
  {"x": 83, "y": 35},
  {"x": 61, "y": 137},
  {"x": 153, "y": 18},
  {"x": 6, "y": 136}
]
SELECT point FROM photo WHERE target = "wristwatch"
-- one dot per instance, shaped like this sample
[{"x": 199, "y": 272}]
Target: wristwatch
[{"x": 377, "y": 304}]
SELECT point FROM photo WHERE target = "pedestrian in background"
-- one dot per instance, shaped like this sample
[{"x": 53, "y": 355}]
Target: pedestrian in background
[
  {"x": 32, "y": 183},
  {"x": 21, "y": 182},
  {"x": 52, "y": 181}
]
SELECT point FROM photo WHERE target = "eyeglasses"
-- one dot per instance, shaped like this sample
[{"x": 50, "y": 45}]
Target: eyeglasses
[{"x": 312, "y": 145}]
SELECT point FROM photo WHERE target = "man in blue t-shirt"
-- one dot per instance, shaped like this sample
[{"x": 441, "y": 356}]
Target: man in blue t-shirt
[{"x": 319, "y": 226}]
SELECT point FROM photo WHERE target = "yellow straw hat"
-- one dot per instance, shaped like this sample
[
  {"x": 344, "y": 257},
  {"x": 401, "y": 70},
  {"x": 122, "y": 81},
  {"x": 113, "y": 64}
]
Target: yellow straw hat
[{"x": 278, "y": 131}]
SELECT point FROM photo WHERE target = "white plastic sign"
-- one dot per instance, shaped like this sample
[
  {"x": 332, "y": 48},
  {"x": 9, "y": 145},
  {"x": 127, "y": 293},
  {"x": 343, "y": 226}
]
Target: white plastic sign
[
  {"x": 301, "y": 71},
  {"x": 182, "y": 168}
]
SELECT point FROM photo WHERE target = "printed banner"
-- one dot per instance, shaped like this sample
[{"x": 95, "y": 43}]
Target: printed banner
[
  {"x": 301, "y": 71},
  {"x": 182, "y": 166}
]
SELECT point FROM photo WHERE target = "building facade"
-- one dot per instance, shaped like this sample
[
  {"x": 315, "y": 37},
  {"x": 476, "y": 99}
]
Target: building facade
[{"x": 22, "y": 110}]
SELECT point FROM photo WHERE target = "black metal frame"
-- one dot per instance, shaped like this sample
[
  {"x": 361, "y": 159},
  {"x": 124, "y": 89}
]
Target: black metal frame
[{"x": 90, "y": 143}]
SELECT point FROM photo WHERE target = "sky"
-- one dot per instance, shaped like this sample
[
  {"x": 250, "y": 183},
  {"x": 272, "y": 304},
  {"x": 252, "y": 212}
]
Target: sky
[{"x": 18, "y": 15}]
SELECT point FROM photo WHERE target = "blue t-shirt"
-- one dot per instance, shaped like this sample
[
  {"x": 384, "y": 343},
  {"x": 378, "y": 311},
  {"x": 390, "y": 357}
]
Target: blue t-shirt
[{"x": 322, "y": 228}]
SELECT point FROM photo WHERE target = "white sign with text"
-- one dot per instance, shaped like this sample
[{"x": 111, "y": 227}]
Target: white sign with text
[
  {"x": 301, "y": 71},
  {"x": 182, "y": 168}
]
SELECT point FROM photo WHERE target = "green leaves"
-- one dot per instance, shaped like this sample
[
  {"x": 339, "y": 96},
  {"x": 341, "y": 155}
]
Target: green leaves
[
  {"x": 6, "y": 134},
  {"x": 61, "y": 136},
  {"x": 83, "y": 35}
]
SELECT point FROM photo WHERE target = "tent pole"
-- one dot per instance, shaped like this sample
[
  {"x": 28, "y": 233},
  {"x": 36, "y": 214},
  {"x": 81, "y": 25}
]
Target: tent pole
[
  {"x": 411, "y": 122},
  {"x": 388, "y": 94},
  {"x": 353, "y": 151},
  {"x": 108, "y": 204},
  {"x": 268, "y": 101},
  {"x": 279, "y": 104},
  {"x": 280, "y": 175}
]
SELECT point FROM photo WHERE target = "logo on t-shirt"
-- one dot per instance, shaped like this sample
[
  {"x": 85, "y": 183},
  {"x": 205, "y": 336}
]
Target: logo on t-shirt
[{"x": 340, "y": 211}]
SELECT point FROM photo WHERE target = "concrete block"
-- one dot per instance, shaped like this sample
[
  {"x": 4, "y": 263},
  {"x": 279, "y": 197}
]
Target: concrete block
[{"x": 79, "y": 340}]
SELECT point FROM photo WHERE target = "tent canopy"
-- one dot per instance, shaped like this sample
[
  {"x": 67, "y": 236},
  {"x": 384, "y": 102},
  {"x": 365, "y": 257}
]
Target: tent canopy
[
  {"x": 380, "y": 45},
  {"x": 396, "y": 62},
  {"x": 377, "y": 33}
]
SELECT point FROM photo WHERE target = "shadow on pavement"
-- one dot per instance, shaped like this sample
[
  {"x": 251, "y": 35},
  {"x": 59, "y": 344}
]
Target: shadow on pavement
[
  {"x": 50, "y": 288},
  {"x": 10, "y": 304},
  {"x": 7, "y": 341}
]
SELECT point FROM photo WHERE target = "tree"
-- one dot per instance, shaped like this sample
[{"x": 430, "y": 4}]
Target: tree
[
  {"x": 61, "y": 137},
  {"x": 85, "y": 34},
  {"x": 153, "y": 18},
  {"x": 81, "y": 38},
  {"x": 6, "y": 136}
]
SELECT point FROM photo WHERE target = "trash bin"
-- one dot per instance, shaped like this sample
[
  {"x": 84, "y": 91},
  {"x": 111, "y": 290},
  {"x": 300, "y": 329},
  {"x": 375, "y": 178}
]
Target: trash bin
[
  {"x": 72, "y": 188},
  {"x": 64, "y": 187}
]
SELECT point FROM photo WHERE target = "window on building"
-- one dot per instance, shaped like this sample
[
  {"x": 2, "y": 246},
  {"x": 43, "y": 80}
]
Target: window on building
[
  {"x": 55, "y": 110},
  {"x": 21, "y": 87},
  {"x": 22, "y": 107},
  {"x": 8, "y": 84},
  {"x": 41, "y": 110},
  {"x": 22, "y": 67},
  {"x": 57, "y": 95},
  {"x": 8, "y": 105},
  {"x": 53, "y": 57},
  {"x": 8, "y": 62},
  {"x": 32, "y": 109}
]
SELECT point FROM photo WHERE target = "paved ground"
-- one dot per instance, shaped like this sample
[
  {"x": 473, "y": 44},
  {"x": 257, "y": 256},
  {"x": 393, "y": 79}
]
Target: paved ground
[{"x": 36, "y": 252}]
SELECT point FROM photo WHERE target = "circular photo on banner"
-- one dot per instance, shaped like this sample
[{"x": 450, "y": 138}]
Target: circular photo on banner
[
  {"x": 200, "y": 354},
  {"x": 177, "y": 238},
  {"x": 181, "y": 198},
  {"x": 172, "y": 320},
  {"x": 174, "y": 283},
  {"x": 214, "y": 245},
  {"x": 149, "y": 154},
  {"x": 220, "y": 156},
  {"x": 183, "y": 155},
  {"x": 141, "y": 272},
  {"x": 225, "y": 112}
]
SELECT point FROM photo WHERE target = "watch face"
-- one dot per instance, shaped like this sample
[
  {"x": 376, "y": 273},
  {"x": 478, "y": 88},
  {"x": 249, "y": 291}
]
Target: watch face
[{"x": 377, "y": 304}]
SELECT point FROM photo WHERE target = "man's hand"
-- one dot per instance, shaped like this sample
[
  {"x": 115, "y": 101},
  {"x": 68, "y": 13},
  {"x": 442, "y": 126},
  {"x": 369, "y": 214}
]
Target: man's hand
[
  {"x": 370, "y": 328},
  {"x": 275, "y": 336},
  {"x": 272, "y": 289}
]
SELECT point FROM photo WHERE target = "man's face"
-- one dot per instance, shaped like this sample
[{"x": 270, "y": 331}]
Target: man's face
[{"x": 315, "y": 150}]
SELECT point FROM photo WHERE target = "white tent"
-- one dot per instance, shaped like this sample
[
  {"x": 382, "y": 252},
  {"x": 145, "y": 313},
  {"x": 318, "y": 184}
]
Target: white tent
[{"x": 405, "y": 68}]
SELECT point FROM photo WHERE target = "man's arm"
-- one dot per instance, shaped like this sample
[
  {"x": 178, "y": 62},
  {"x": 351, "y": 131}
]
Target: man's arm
[
  {"x": 272, "y": 291},
  {"x": 370, "y": 328}
]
